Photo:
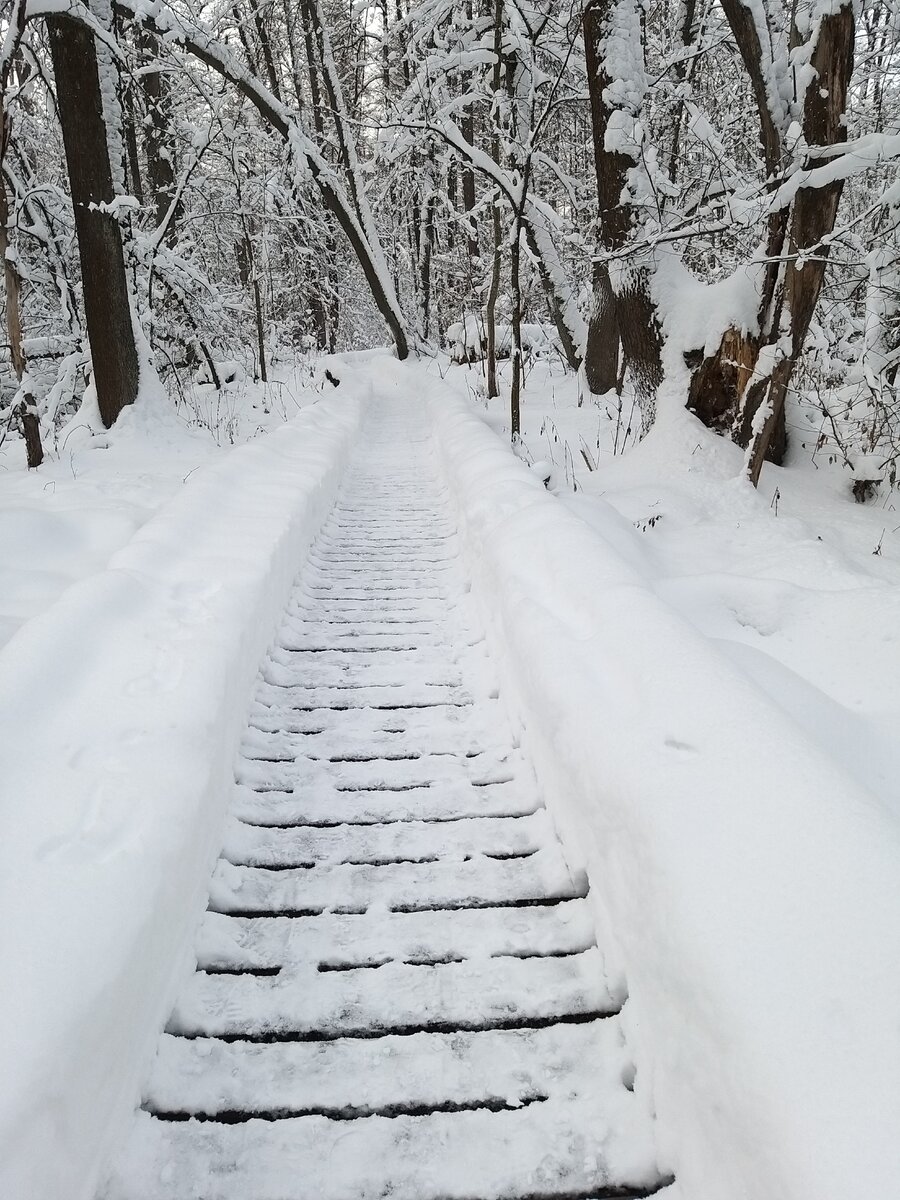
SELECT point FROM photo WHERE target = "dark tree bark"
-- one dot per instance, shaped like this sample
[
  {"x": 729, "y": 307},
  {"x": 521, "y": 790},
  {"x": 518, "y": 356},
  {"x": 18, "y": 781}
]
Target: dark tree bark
[
  {"x": 425, "y": 248},
  {"x": 718, "y": 388},
  {"x": 689, "y": 30},
  {"x": 468, "y": 188},
  {"x": 157, "y": 139},
  {"x": 106, "y": 302},
  {"x": 720, "y": 392},
  {"x": 490, "y": 314},
  {"x": 243, "y": 252},
  {"x": 135, "y": 181},
  {"x": 323, "y": 300},
  {"x": 812, "y": 219},
  {"x": 260, "y": 20},
  {"x": 635, "y": 313},
  {"x": 727, "y": 389},
  {"x": 515, "y": 347},
  {"x": 26, "y": 408},
  {"x": 467, "y": 124},
  {"x": 601, "y": 355}
]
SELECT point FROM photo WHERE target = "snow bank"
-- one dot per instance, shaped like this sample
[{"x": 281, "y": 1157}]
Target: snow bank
[
  {"x": 748, "y": 892},
  {"x": 124, "y": 703},
  {"x": 467, "y": 339}
]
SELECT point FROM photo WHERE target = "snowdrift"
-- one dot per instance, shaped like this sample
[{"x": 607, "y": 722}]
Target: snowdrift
[
  {"x": 748, "y": 892},
  {"x": 124, "y": 702}
]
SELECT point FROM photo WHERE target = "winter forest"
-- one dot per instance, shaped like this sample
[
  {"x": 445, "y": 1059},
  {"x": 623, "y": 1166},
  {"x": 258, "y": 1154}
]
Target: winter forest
[
  {"x": 295, "y": 178},
  {"x": 449, "y": 599}
]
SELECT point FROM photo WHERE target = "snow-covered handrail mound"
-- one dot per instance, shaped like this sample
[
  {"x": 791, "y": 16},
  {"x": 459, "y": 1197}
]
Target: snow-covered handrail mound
[
  {"x": 129, "y": 696},
  {"x": 747, "y": 890}
]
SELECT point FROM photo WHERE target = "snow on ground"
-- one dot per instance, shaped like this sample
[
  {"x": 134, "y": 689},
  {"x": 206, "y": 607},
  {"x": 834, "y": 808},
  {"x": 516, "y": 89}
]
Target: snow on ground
[
  {"x": 705, "y": 676},
  {"x": 797, "y": 584},
  {"x": 746, "y": 883},
  {"x": 124, "y": 699},
  {"x": 95, "y": 489}
]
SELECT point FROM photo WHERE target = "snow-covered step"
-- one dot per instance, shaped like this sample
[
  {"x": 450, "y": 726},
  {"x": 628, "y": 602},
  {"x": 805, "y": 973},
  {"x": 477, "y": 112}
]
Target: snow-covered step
[
  {"x": 390, "y": 622},
  {"x": 426, "y": 729},
  {"x": 352, "y": 641},
  {"x": 413, "y": 841},
  {"x": 301, "y": 1003},
  {"x": 427, "y": 601},
  {"x": 365, "y": 674},
  {"x": 376, "y": 594},
  {"x": 400, "y": 886},
  {"x": 369, "y": 772},
  {"x": 349, "y": 659},
  {"x": 383, "y": 746},
  {"x": 397, "y": 695},
  {"x": 396, "y": 612},
  {"x": 323, "y": 805},
  {"x": 334, "y": 562},
  {"x": 391, "y": 527},
  {"x": 368, "y": 733},
  {"x": 398, "y": 989},
  {"x": 441, "y": 935},
  {"x": 566, "y": 1147},
  {"x": 379, "y": 568},
  {"x": 411, "y": 634},
  {"x": 424, "y": 1071},
  {"x": 331, "y": 549}
]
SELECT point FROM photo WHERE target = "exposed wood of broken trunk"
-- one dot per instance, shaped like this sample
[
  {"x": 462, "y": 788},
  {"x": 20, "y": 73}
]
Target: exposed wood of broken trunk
[
  {"x": 812, "y": 219},
  {"x": 727, "y": 389},
  {"x": 720, "y": 382}
]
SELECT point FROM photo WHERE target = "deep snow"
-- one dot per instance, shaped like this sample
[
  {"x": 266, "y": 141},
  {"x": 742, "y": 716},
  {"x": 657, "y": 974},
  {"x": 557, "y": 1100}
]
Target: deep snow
[
  {"x": 706, "y": 678},
  {"x": 123, "y": 705},
  {"x": 746, "y": 885}
]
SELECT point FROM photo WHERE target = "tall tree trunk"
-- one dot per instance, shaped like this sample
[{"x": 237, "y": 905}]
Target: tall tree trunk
[
  {"x": 635, "y": 313},
  {"x": 158, "y": 140},
  {"x": 468, "y": 188},
  {"x": 247, "y": 273},
  {"x": 721, "y": 383},
  {"x": 261, "y": 21},
  {"x": 467, "y": 124},
  {"x": 135, "y": 182},
  {"x": 106, "y": 302},
  {"x": 601, "y": 355},
  {"x": 490, "y": 314},
  {"x": 425, "y": 248},
  {"x": 515, "y": 349},
  {"x": 812, "y": 219},
  {"x": 26, "y": 407}
]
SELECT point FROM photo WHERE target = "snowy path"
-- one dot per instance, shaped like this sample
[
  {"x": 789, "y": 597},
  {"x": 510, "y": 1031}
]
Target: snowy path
[{"x": 398, "y": 991}]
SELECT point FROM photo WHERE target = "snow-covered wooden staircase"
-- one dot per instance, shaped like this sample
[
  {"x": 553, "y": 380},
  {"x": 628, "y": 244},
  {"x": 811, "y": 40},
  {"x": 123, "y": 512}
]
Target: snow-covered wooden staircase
[{"x": 398, "y": 991}]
